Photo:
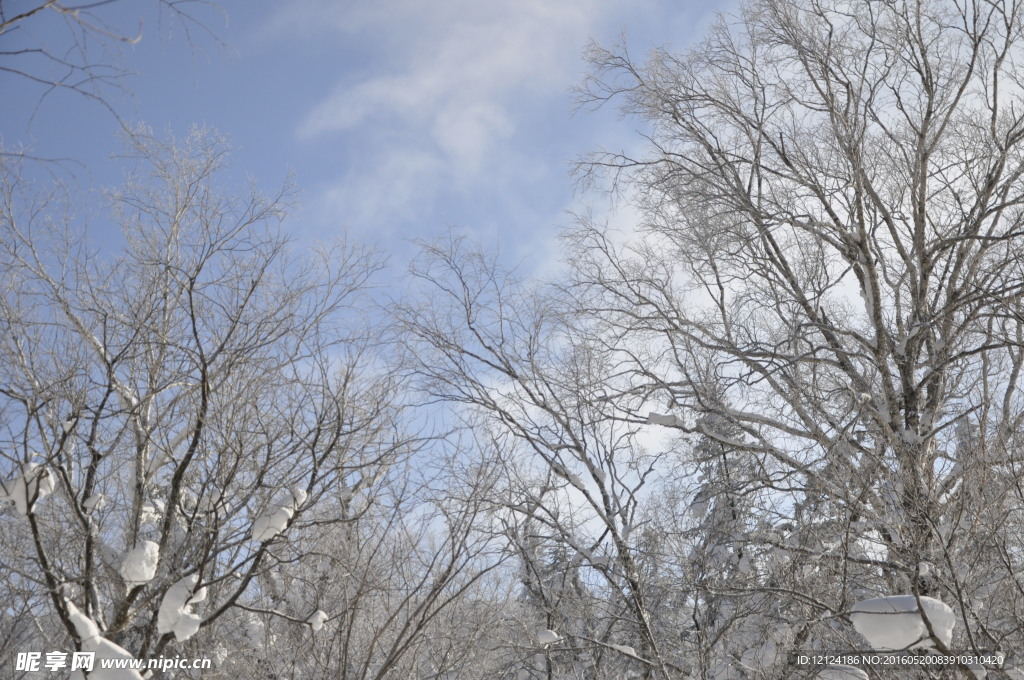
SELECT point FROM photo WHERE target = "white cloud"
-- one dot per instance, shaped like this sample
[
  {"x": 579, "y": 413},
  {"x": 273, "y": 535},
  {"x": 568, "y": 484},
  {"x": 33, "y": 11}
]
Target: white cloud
[
  {"x": 435, "y": 97},
  {"x": 454, "y": 54}
]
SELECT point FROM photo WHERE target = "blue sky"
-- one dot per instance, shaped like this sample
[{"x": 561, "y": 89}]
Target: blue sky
[{"x": 398, "y": 119}]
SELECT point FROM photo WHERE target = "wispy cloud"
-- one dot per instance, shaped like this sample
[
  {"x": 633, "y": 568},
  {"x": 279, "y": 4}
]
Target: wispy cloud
[
  {"x": 441, "y": 98},
  {"x": 450, "y": 59}
]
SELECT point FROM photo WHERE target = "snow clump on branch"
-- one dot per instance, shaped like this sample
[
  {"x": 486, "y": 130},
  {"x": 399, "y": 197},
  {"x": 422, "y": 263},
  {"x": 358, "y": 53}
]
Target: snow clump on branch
[
  {"x": 139, "y": 565},
  {"x": 895, "y": 623},
  {"x": 33, "y": 484},
  {"x": 275, "y": 518},
  {"x": 175, "y": 614},
  {"x": 89, "y": 633}
]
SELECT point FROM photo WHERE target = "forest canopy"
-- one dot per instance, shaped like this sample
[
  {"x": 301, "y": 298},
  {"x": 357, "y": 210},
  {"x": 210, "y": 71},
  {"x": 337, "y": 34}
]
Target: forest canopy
[{"x": 776, "y": 418}]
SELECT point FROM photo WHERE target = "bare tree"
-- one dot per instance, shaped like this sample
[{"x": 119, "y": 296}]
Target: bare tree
[
  {"x": 77, "y": 47},
  {"x": 171, "y": 416},
  {"x": 412, "y": 587},
  {"x": 794, "y": 394},
  {"x": 827, "y": 285},
  {"x": 517, "y": 364}
]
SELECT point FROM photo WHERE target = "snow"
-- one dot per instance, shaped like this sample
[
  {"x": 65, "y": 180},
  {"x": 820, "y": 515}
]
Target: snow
[
  {"x": 275, "y": 518},
  {"x": 92, "y": 641},
  {"x": 893, "y": 623},
  {"x": 271, "y": 524},
  {"x": 623, "y": 649},
  {"x": 841, "y": 673},
  {"x": 175, "y": 615},
  {"x": 254, "y": 629},
  {"x": 97, "y": 501},
  {"x": 139, "y": 565},
  {"x": 547, "y": 637},
  {"x": 317, "y": 619},
  {"x": 760, "y": 642},
  {"x": 152, "y": 514},
  {"x": 198, "y": 596},
  {"x": 561, "y": 471},
  {"x": 870, "y": 546},
  {"x": 33, "y": 484},
  {"x": 669, "y": 420},
  {"x": 68, "y": 425},
  {"x": 910, "y": 437},
  {"x": 188, "y": 502},
  {"x": 699, "y": 507}
]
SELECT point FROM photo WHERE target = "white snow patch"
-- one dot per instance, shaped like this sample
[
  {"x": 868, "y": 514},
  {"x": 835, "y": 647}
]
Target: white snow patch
[
  {"x": 139, "y": 565},
  {"x": 894, "y": 623},
  {"x": 841, "y": 673},
  {"x": 254, "y": 629},
  {"x": 547, "y": 637},
  {"x": 97, "y": 501},
  {"x": 33, "y": 484},
  {"x": 623, "y": 649},
  {"x": 198, "y": 596},
  {"x": 92, "y": 641},
  {"x": 275, "y": 518},
  {"x": 317, "y": 619},
  {"x": 152, "y": 514},
  {"x": 870, "y": 546},
  {"x": 175, "y": 615},
  {"x": 910, "y": 437}
]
